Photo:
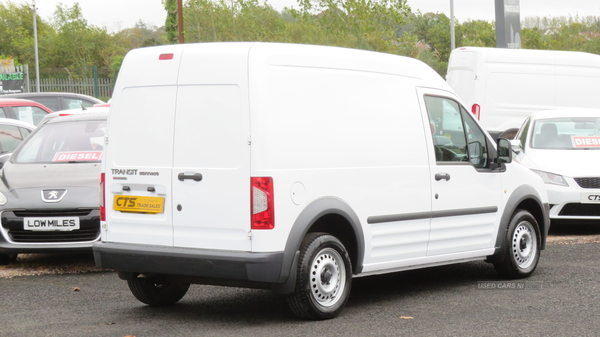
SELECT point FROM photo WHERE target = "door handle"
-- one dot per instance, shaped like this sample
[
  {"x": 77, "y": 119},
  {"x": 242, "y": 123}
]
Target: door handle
[
  {"x": 195, "y": 177},
  {"x": 440, "y": 176}
]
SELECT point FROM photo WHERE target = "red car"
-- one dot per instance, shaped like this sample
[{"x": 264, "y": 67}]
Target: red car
[{"x": 23, "y": 109}]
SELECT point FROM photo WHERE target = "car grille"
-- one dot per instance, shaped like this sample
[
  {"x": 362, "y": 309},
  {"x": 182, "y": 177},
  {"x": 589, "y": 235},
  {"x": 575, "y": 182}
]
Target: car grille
[
  {"x": 576, "y": 209},
  {"x": 36, "y": 213},
  {"x": 588, "y": 182},
  {"x": 47, "y": 237},
  {"x": 89, "y": 221}
]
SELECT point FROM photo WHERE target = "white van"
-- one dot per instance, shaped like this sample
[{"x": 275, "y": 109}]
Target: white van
[
  {"x": 296, "y": 168},
  {"x": 503, "y": 86}
]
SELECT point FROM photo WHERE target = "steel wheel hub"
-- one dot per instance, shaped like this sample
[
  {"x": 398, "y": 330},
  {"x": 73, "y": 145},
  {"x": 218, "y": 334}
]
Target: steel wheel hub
[
  {"x": 327, "y": 277},
  {"x": 524, "y": 245}
]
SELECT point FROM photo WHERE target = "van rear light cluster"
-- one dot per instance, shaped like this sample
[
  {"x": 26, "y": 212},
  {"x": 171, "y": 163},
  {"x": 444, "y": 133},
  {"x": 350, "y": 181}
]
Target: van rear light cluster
[
  {"x": 102, "y": 205},
  {"x": 476, "y": 110},
  {"x": 261, "y": 199}
]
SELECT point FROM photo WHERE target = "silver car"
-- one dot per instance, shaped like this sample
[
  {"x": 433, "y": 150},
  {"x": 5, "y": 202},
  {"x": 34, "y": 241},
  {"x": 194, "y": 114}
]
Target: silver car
[{"x": 49, "y": 189}]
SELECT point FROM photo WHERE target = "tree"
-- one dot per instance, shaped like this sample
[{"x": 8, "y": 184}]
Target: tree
[
  {"x": 77, "y": 46},
  {"x": 477, "y": 33},
  {"x": 16, "y": 33},
  {"x": 171, "y": 24},
  {"x": 364, "y": 24},
  {"x": 141, "y": 35}
]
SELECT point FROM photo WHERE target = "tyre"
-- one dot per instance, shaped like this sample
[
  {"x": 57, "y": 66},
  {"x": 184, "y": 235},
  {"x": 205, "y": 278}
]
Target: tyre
[
  {"x": 522, "y": 247},
  {"x": 157, "y": 290},
  {"x": 324, "y": 278},
  {"x": 7, "y": 258}
]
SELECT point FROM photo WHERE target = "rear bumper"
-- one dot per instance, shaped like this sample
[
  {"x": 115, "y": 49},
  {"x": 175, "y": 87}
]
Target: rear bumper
[{"x": 212, "y": 264}]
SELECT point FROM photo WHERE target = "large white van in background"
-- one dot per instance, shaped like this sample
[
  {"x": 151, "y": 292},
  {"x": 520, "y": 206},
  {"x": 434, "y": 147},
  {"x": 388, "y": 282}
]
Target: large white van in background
[
  {"x": 503, "y": 86},
  {"x": 296, "y": 168}
]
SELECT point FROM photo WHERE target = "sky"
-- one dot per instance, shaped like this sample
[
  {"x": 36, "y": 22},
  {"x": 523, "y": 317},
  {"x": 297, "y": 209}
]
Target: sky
[{"x": 120, "y": 14}]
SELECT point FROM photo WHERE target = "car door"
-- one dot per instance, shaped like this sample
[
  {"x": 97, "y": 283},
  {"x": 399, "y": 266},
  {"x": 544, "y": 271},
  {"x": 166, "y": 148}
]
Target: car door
[{"x": 465, "y": 191}]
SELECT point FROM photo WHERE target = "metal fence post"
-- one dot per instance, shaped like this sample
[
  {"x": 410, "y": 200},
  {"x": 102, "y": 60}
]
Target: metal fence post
[
  {"x": 96, "y": 81},
  {"x": 26, "y": 75}
]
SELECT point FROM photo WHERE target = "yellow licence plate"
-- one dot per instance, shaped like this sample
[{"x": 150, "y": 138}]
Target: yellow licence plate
[{"x": 136, "y": 204}]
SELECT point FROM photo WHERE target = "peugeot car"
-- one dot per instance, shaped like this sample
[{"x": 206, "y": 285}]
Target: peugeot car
[{"x": 49, "y": 198}]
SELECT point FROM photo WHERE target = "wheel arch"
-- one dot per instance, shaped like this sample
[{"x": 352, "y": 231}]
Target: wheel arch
[
  {"x": 328, "y": 215},
  {"x": 524, "y": 197}
]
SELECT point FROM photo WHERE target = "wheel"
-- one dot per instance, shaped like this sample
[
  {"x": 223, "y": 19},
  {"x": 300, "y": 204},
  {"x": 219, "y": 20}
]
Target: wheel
[
  {"x": 7, "y": 258},
  {"x": 156, "y": 290},
  {"x": 324, "y": 278},
  {"x": 522, "y": 247}
]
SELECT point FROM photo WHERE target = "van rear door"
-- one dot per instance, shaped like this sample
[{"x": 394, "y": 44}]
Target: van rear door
[
  {"x": 180, "y": 113},
  {"x": 211, "y": 150},
  {"x": 211, "y": 170},
  {"x": 138, "y": 165}
]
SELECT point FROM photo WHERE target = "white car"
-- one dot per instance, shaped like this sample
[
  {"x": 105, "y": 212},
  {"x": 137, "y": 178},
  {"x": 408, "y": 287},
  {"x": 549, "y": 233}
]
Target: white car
[
  {"x": 563, "y": 147},
  {"x": 96, "y": 108},
  {"x": 12, "y": 133}
]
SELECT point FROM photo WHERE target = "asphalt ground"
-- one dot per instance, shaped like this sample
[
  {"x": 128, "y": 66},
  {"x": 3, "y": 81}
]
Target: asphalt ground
[{"x": 469, "y": 299}]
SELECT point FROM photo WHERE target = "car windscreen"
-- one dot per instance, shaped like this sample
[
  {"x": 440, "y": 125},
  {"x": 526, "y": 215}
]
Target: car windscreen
[
  {"x": 64, "y": 142},
  {"x": 566, "y": 133}
]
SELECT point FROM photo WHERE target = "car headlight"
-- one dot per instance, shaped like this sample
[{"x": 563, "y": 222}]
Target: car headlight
[
  {"x": 3, "y": 199},
  {"x": 551, "y": 178}
]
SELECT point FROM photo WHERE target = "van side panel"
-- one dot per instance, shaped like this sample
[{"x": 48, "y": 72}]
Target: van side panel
[
  {"x": 510, "y": 84},
  {"x": 577, "y": 80},
  {"x": 465, "y": 73},
  {"x": 354, "y": 134},
  {"x": 517, "y": 89}
]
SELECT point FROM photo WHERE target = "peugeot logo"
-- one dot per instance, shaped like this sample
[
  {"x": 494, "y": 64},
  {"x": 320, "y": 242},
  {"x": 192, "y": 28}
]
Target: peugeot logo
[{"x": 53, "y": 195}]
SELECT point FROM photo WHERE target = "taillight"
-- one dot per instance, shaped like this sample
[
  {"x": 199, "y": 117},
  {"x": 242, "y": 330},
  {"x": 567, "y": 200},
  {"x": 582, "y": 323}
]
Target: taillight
[
  {"x": 102, "y": 208},
  {"x": 261, "y": 199},
  {"x": 476, "y": 110}
]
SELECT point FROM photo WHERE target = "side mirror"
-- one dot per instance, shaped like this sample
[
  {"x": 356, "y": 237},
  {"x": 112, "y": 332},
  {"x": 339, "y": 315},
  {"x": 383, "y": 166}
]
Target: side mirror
[
  {"x": 504, "y": 151},
  {"x": 515, "y": 144},
  {"x": 475, "y": 152},
  {"x": 3, "y": 159}
]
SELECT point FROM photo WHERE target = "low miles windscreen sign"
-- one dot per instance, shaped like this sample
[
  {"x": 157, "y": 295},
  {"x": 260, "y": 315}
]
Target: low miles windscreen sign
[{"x": 11, "y": 83}]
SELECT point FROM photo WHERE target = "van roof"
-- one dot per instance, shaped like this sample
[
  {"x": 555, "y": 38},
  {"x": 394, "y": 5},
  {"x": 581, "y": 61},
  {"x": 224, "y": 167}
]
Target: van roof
[
  {"x": 275, "y": 54},
  {"x": 534, "y": 56}
]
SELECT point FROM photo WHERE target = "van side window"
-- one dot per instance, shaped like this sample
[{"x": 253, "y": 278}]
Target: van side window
[
  {"x": 456, "y": 136},
  {"x": 478, "y": 147},
  {"x": 523, "y": 132}
]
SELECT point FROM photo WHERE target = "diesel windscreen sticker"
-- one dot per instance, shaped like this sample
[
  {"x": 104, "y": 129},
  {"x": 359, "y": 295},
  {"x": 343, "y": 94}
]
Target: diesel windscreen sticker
[
  {"x": 78, "y": 156},
  {"x": 586, "y": 141}
]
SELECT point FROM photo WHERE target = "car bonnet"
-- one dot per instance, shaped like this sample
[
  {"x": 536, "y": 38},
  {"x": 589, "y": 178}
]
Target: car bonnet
[
  {"x": 64, "y": 185},
  {"x": 570, "y": 163}
]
